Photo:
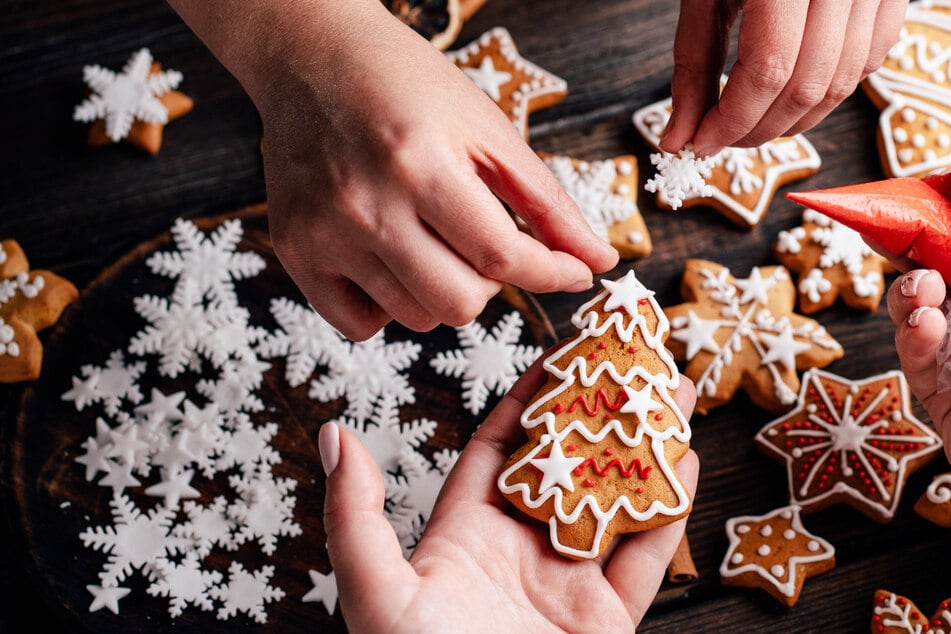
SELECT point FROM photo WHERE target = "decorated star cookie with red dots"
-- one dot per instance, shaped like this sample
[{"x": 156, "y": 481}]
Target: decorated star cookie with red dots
[
  {"x": 518, "y": 86},
  {"x": 850, "y": 442},
  {"x": 29, "y": 302},
  {"x": 738, "y": 333},
  {"x": 895, "y": 614},
  {"x": 935, "y": 503},
  {"x": 604, "y": 432},
  {"x": 774, "y": 552}
]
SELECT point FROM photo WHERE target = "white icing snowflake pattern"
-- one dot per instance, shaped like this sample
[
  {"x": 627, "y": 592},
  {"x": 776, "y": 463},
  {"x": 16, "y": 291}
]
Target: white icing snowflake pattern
[
  {"x": 487, "y": 362},
  {"x": 364, "y": 371},
  {"x": 246, "y": 592},
  {"x": 591, "y": 186},
  {"x": 680, "y": 176},
  {"x": 121, "y": 98},
  {"x": 209, "y": 261}
]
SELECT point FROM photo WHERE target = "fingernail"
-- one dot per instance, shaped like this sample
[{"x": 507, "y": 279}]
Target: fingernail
[
  {"x": 915, "y": 316},
  {"x": 707, "y": 150},
  {"x": 663, "y": 133},
  {"x": 580, "y": 285},
  {"x": 909, "y": 282},
  {"x": 328, "y": 442}
]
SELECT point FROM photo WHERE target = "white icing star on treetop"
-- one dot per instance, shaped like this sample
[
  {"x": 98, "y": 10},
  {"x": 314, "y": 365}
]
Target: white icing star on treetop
[
  {"x": 625, "y": 293},
  {"x": 121, "y": 98}
]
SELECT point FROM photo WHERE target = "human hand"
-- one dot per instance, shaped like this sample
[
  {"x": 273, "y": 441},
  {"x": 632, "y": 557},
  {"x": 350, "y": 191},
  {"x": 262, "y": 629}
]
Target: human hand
[
  {"x": 383, "y": 165},
  {"x": 796, "y": 61},
  {"x": 917, "y": 303},
  {"x": 479, "y": 563}
]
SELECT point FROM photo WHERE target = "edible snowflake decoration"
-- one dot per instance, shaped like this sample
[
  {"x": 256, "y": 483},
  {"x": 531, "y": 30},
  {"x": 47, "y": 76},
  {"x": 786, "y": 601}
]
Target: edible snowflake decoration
[
  {"x": 184, "y": 583},
  {"x": 364, "y": 371},
  {"x": 209, "y": 261},
  {"x": 412, "y": 493},
  {"x": 487, "y": 361},
  {"x": 306, "y": 340},
  {"x": 680, "y": 176},
  {"x": 246, "y": 592},
  {"x": 110, "y": 384},
  {"x": 121, "y": 98},
  {"x": 265, "y": 509}
]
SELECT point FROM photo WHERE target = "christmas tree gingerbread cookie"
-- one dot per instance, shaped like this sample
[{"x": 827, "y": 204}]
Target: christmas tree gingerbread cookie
[
  {"x": 604, "y": 432},
  {"x": 741, "y": 333},
  {"x": 29, "y": 301}
]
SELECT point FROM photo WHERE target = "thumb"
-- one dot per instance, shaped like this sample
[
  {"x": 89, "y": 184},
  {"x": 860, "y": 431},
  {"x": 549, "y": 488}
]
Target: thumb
[{"x": 373, "y": 578}]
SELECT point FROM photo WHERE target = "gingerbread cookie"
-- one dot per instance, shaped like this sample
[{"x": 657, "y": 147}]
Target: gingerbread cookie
[
  {"x": 831, "y": 260},
  {"x": 29, "y": 302},
  {"x": 518, "y": 86},
  {"x": 606, "y": 193},
  {"x": 439, "y": 21},
  {"x": 774, "y": 552},
  {"x": 604, "y": 432},
  {"x": 935, "y": 503},
  {"x": 895, "y": 614},
  {"x": 133, "y": 105},
  {"x": 741, "y": 333},
  {"x": 741, "y": 182},
  {"x": 850, "y": 442},
  {"x": 913, "y": 92}
]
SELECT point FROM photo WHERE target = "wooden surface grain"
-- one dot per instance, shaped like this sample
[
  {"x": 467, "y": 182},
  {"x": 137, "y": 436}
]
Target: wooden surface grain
[{"x": 76, "y": 211}]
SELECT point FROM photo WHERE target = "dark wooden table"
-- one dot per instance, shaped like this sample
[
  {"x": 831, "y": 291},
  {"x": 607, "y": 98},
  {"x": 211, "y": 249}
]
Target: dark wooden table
[{"x": 76, "y": 210}]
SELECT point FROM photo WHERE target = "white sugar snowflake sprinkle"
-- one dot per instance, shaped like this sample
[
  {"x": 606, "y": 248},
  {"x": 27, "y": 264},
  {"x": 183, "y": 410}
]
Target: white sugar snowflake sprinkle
[
  {"x": 209, "y": 261},
  {"x": 265, "y": 510},
  {"x": 121, "y": 98},
  {"x": 136, "y": 540},
  {"x": 248, "y": 446},
  {"x": 176, "y": 328},
  {"x": 324, "y": 590},
  {"x": 207, "y": 526},
  {"x": 412, "y": 493},
  {"x": 306, "y": 339},
  {"x": 184, "y": 584},
  {"x": 487, "y": 362},
  {"x": 110, "y": 384},
  {"x": 246, "y": 592},
  {"x": 363, "y": 371},
  {"x": 680, "y": 176}
]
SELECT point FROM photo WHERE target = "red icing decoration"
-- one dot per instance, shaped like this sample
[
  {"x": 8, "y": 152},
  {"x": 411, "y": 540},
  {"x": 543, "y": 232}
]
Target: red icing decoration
[
  {"x": 635, "y": 467},
  {"x": 907, "y": 216},
  {"x": 559, "y": 408},
  {"x": 599, "y": 397},
  {"x": 570, "y": 448},
  {"x": 588, "y": 482}
]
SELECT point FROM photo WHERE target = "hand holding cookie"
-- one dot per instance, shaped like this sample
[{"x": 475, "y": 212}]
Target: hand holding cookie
[
  {"x": 385, "y": 165},
  {"x": 478, "y": 564},
  {"x": 796, "y": 61}
]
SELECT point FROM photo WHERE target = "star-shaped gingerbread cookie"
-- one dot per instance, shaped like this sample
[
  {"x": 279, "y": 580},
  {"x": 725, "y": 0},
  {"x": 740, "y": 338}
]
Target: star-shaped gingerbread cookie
[
  {"x": 850, "y": 442},
  {"x": 518, "y": 86},
  {"x": 832, "y": 260},
  {"x": 742, "y": 181},
  {"x": 606, "y": 193},
  {"x": 133, "y": 105},
  {"x": 741, "y": 333},
  {"x": 912, "y": 89},
  {"x": 774, "y": 552},
  {"x": 895, "y": 614},
  {"x": 29, "y": 301}
]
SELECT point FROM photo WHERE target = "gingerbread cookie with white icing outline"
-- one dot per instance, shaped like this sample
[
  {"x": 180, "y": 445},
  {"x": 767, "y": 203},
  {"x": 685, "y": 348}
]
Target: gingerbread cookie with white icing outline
[
  {"x": 895, "y": 614},
  {"x": 912, "y": 88},
  {"x": 30, "y": 301},
  {"x": 850, "y": 442},
  {"x": 604, "y": 432},
  {"x": 774, "y": 552},
  {"x": 741, "y": 181},
  {"x": 606, "y": 193},
  {"x": 518, "y": 86},
  {"x": 741, "y": 333},
  {"x": 832, "y": 261},
  {"x": 935, "y": 503}
]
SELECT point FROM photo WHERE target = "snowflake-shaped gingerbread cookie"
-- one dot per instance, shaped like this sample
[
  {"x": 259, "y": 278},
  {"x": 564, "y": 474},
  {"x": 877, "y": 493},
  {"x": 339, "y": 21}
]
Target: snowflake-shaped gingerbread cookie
[
  {"x": 518, "y": 86},
  {"x": 606, "y": 193},
  {"x": 134, "y": 104},
  {"x": 832, "y": 260},
  {"x": 851, "y": 442},
  {"x": 774, "y": 552},
  {"x": 741, "y": 333},
  {"x": 740, "y": 182}
]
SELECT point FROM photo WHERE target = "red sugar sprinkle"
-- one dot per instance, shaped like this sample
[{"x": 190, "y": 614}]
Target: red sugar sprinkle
[
  {"x": 659, "y": 416},
  {"x": 639, "y": 490},
  {"x": 602, "y": 345},
  {"x": 592, "y": 355},
  {"x": 559, "y": 408},
  {"x": 633, "y": 349},
  {"x": 570, "y": 448},
  {"x": 609, "y": 451},
  {"x": 588, "y": 482}
]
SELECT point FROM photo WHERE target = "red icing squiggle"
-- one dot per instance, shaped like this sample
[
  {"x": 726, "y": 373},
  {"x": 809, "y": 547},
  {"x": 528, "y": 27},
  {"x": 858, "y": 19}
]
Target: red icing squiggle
[
  {"x": 600, "y": 397},
  {"x": 635, "y": 467}
]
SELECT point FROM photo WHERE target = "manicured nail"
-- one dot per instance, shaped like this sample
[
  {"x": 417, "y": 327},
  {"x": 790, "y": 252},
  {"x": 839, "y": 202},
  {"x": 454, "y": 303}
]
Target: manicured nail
[
  {"x": 580, "y": 285},
  {"x": 328, "y": 442},
  {"x": 915, "y": 316},
  {"x": 707, "y": 150},
  {"x": 909, "y": 282}
]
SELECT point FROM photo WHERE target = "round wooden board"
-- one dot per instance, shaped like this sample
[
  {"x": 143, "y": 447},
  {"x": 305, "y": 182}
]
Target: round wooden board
[{"x": 54, "y": 502}]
